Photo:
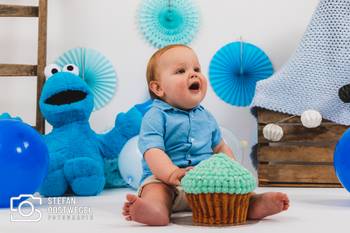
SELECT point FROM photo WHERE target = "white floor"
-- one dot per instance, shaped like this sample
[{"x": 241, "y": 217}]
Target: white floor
[{"x": 312, "y": 210}]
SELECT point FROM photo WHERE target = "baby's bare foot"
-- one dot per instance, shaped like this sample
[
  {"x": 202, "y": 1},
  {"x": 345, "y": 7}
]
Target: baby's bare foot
[
  {"x": 138, "y": 210},
  {"x": 266, "y": 204}
]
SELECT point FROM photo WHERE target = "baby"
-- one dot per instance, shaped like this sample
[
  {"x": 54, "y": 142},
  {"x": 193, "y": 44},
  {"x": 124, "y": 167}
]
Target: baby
[{"x": 176, "y": 134}]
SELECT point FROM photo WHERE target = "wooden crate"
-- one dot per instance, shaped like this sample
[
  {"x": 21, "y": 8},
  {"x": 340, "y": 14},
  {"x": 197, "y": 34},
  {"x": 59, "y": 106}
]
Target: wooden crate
[{"x": 303, "y": 157}]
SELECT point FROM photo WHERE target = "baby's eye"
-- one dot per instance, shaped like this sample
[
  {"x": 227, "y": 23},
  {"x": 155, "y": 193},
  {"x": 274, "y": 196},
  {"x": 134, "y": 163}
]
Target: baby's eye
[
  {"x": 197, "y": 69},
  {"x": 180, "y": 71}
]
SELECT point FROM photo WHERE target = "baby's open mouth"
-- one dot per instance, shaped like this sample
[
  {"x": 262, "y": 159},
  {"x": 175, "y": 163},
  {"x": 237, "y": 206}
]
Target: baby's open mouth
[{"x": 194, "y": 86}]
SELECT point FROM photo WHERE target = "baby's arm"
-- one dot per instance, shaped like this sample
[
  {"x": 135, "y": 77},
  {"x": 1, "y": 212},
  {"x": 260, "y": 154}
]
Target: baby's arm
[
  {"x": 222, "y": 147},
  {"x": 163, "y": 168}
]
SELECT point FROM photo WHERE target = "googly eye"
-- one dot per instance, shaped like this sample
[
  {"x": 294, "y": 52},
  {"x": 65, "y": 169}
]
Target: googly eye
[
  {"x": 51, "y": 70},
  {"x": 71, "y": 68}
]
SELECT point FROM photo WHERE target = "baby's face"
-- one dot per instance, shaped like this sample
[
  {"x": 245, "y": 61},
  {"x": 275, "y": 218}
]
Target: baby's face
[{"x": 180, "y": 78}]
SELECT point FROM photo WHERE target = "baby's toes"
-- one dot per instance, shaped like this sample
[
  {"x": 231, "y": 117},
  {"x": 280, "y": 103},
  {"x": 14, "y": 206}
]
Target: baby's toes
[
  {"x": 126, "y": 211},
  {"x": 126, "y": 208},
  {"x": 281, "y": 197},
  {"x": 126, "y": 205},
  {"x": 131, "y": 198},
  {"x": 285, "y": 197},
  {"x": 284, "y": 201},
  {"x": 285, "y": 205}
]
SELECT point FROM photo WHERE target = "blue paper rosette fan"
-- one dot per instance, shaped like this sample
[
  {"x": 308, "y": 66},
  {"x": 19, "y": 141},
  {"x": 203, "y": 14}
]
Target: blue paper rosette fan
[
  {"x": 234, "y": 71},
  {"x": 164, "y": 22},
  {"x": 97, "y": 71}
]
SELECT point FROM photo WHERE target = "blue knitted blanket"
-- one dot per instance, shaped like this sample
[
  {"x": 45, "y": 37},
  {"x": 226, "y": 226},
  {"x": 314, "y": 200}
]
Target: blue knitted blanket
[{"x": 318, "y": 69}]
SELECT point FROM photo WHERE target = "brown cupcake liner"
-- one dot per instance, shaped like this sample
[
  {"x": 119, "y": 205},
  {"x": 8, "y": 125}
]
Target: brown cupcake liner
[{"x": 219, "y": 208}]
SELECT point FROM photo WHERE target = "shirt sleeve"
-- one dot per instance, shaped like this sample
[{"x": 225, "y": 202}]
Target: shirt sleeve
[
  {"x": 152, "y": 131},
  {"x": 216, "y": 134}
]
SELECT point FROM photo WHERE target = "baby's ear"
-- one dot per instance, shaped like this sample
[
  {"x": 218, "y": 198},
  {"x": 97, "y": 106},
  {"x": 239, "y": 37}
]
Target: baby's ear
[{"x": 155, "y": 87}]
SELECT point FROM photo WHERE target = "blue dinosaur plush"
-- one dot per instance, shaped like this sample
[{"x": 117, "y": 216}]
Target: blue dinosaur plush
[
  {"x": 6, "y": 115},
  {"x": 112, "y": 174},
  {"x": 76, "y": 152}
]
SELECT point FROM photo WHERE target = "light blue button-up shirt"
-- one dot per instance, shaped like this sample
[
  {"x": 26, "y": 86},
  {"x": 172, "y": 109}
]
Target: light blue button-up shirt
[{"x": 187, "y": 137}]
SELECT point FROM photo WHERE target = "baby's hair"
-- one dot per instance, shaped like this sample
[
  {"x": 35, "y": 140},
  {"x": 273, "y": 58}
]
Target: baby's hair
[{"x": 152, "y": 65}]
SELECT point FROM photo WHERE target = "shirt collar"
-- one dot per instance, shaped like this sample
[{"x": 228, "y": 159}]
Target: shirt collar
[{"x": 165, "y": 106}]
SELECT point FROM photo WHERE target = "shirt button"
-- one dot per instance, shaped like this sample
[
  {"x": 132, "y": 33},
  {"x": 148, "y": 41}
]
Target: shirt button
[
  {"x": 191, "y": 139},
  {"x": 189, "y": 162}
]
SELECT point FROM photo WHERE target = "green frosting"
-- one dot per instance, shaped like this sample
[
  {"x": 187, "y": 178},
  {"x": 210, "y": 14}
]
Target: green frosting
[{"x": 218, "y": 174}]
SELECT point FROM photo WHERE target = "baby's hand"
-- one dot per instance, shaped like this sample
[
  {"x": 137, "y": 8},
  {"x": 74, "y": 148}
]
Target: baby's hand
[{"x": 177, "y": 175}]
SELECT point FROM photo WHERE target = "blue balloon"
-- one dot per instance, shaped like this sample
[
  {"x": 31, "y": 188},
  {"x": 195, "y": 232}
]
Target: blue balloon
[
  {"x": 130, "y": 163},
  {"x": 23, "y": 160},
  {"x": 342, "y": 160}
]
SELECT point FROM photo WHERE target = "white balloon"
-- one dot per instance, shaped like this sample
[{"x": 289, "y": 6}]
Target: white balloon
[
  {"x": 130, "y": 163},
  {"x": 273, "y": 132},
  {"x": 232, "y": 141},
  {"x": 311, "y": 118}
]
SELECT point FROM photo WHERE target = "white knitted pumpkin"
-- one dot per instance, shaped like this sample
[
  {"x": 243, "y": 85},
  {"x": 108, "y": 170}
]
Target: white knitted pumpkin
[
  {"x": 311, "y": 118},
  {"x": 273, "y": 132}
]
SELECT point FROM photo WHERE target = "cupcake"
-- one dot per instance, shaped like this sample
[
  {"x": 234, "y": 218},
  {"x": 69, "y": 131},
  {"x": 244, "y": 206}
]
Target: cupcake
[{"x": 218, "y": 191}]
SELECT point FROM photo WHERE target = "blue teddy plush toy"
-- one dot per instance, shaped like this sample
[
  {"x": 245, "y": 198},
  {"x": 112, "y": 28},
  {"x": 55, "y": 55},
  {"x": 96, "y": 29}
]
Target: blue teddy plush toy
[{"x": 76, "y": 152}]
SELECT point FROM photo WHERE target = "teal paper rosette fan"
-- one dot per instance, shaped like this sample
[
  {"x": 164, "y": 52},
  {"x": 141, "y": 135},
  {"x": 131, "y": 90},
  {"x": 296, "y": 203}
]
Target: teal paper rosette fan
[
  {"x": 234, "y": 71},
  {"x": 97, "y": 71},
  {"x": 164, "y": 22}
]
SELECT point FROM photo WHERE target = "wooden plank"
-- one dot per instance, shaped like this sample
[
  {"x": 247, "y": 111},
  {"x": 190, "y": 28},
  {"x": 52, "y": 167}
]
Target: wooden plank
[
  {"x": 30, "y": 70},
  {"x": 42, "y": 44},
  {"x": 17, "y": 70},
  {"x": 292, "y": 153},
  {"x": 290, "y": 173},
  {"x": 300, "y": 185},
  {"x": 267, "y": 116},
  {"x": 18, "y": 11},
  {"x": 298, "y": 133}
]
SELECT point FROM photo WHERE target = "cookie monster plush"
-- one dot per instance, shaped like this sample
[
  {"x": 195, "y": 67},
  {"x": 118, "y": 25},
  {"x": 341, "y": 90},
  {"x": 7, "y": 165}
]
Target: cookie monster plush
[{"x": 76, "y": 152}]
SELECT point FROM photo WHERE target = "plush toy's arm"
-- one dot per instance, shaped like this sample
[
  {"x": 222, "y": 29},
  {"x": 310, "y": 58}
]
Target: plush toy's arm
[{"x": 127, "y": 125}]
